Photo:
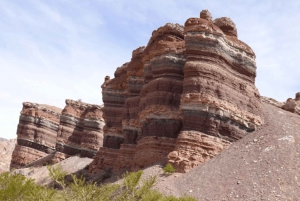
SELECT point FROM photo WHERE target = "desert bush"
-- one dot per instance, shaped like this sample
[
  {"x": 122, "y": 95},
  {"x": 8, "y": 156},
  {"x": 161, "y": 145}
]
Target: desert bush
[
  {"x": 15, "y": 187},
  {"x": 169, "y": 169}
]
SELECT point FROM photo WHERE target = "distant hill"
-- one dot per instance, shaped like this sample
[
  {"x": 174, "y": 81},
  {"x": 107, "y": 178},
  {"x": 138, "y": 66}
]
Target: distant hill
[
  {"x": 6, "y": 149},
  {"x": 3, "y": 139}
]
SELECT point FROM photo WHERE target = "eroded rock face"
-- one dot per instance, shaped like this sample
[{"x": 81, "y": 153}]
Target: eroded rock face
[
  {"x": 293, "y": 105},
  {"x": 37, "y": 130},
  {"x": 190, "y": 92},
  {"x": 49, "y": 134},
  {"x": 147, "y": 93},
  {"x": 80, "y": 130},
  {"x": 219, "y": 97}
]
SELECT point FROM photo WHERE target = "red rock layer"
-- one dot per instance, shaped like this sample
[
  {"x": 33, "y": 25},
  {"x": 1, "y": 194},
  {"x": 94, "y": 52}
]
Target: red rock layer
[
  {"x": 194, "y": 148},
  {"x": 80, "y": 130},
  {"x": 152, "y": 83},
  {"x": 219, "y": 97},
  {"x": 196, "y": 81},
  {"x": 37, "y": 130}
]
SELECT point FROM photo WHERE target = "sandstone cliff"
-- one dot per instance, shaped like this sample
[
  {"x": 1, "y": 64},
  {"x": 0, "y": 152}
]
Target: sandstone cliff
[
  {"x": 47, "y": 133},
  {"x": 80, "y": 130},
  {"x": 37, "y": 130},
  {"x": 183, "y": 98}
]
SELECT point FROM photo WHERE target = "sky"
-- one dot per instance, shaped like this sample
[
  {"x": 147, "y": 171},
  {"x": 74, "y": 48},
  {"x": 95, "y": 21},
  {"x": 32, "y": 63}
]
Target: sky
[{"x": 62, "y": 49}]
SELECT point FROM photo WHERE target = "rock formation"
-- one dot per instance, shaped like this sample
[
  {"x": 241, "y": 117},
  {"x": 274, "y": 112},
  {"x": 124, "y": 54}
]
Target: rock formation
[
  {"x": 37, "y": 130},
  {"x": 293, "y": 105},
  {"x": 184, "y": 98},
  {"x": 48, "y": 133},
  {"x": 80, "y": 130},
  {"x": 272, "y": 101}
]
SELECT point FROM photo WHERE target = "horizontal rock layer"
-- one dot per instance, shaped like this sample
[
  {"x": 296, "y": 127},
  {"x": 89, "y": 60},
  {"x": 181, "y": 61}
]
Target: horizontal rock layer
[
  {"x": 81, "y": 129},
  {"x": 43, "y": 129},
  {"x": 37, "y": 131},
  {"x": 194, "y": 81}
]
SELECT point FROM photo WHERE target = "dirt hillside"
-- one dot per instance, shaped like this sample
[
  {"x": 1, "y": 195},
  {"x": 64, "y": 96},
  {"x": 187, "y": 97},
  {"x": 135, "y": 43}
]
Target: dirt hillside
[{"x": 265, "y": 165}]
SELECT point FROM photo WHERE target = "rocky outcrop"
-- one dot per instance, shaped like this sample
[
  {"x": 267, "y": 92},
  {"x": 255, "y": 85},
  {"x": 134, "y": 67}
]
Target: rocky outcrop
[
  {"x": 46, "y": 133},
  {"x": 146, "y": 91},
  {"x": 219, "y": 101},
  {"x": 293, "y": 105},
  {"x": 37, "y": 131},
  {"x": 188, "y": 94},
  {"x": 80, "y": 130},
  {"x": 272, "y": 101}
]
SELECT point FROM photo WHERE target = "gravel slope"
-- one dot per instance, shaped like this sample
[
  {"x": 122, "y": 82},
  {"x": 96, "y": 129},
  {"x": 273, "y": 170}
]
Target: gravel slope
[{"x": 265, "y": 165}]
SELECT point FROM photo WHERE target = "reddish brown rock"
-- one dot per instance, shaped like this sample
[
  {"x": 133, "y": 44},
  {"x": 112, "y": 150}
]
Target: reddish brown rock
[
  {"x": 205, "y": 14},
  {"x": 272, "y": 101},
  {"x": 195, "y": 148},
  {"x": 198, "y": 78},
  {"x": 226, "y": 25},
  {"x": 293, "y": 105},
  {"x": 36, "y": 132},
  {"x": 47, "y": 135},
  {"x": 151, "y": 101},
  {"x": 80, "y": 130}
]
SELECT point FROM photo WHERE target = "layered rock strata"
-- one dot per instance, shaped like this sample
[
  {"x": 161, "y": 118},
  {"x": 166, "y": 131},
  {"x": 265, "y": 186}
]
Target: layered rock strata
[
  {"x": 48, "y": 134},
  {"x": 190, "y": 93},
  {"x": 146, "y": 91},
  {"x": 219, "y": 97},
  {"x": 37, "y": 130},
  {"x": 293, "y": 105},
  {"x": 80, "y": 130}
]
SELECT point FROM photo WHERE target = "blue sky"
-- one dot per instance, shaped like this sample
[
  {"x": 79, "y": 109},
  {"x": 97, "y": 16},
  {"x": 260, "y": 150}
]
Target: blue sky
[{"x": 59, "y": 49}]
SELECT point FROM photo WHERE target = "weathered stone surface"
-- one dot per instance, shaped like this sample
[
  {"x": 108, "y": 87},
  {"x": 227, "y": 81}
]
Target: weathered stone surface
[
  {"x": 6, "y": 150},
  {"x": 81, "y": 129},
  {"x": 23, "y": 155},
  {"x": 226, "y": 25},
  {"x": 195, "y": 148},
  {"x": 151, "y": 150},
  {"x": 198, "y": 78},
  {"x": 205, "y": 14},
  {"x": 149, "y": 101},
  {"x": 46, "y": 130},
  {"x": 37, "y": 130},
  {"x": 272, "y": 101},
  {"x": 219, "y": 97},
  {"x": 293, "y": 105}
]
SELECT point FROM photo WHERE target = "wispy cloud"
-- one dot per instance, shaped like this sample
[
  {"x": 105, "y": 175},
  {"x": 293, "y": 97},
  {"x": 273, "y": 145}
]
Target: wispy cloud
[{"x": 53, "y": 50}]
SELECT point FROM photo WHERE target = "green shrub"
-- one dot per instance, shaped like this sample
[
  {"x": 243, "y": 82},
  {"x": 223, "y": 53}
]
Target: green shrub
[
  {"x": 16, "y": 187},
  {"x": 169, "y": 169}
]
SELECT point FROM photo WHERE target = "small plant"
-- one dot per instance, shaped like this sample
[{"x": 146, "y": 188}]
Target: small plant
[
  {"x": 18, "y": 187},
  {"x": 169, "y": 169},
  {"x": 57, "y": 174}
]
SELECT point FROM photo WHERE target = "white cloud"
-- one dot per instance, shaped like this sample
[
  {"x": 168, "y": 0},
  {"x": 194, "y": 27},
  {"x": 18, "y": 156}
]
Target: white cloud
[{"x": 53, "y": 50}]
